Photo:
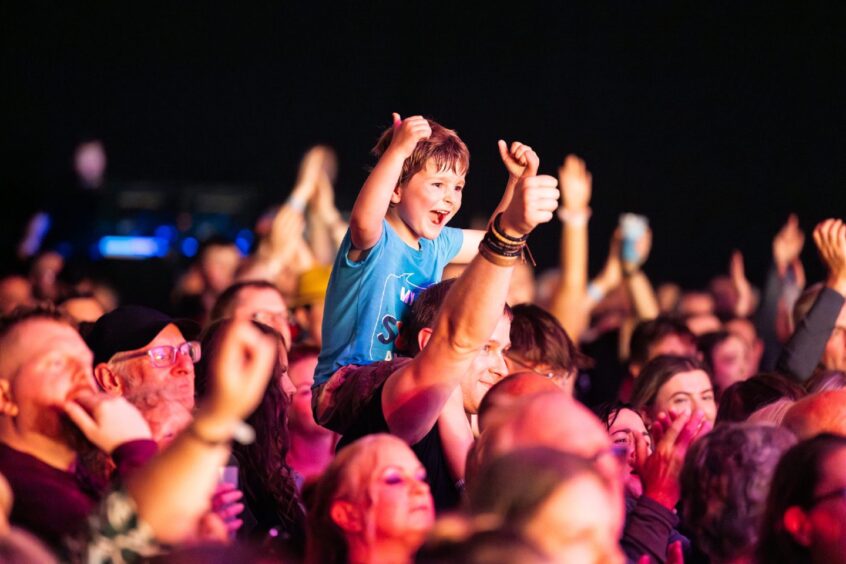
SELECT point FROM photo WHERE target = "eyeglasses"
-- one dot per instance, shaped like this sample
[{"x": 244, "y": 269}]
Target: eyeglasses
[
  {"x": 530, "y": 368},
  {"x": 618, "y": 452},
  {"x": 271, "y": 318},
  {"x": 165, "y": 356},
  {"x": 841, "y": 493}
]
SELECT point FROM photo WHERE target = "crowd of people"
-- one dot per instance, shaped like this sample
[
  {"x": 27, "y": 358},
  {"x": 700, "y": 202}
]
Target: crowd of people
[{"x": 380, "y": 387}]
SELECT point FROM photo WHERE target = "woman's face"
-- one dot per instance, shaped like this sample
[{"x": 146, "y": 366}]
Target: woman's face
[
  {"x": 627, "y": 425},
  {"x": 731, "y": 362},
  {"x": 562, "y": 527},
  {"x": 402, "y": 506},
  {"x": 828, "y": 515},
  {"x": 685, "y": 393}
]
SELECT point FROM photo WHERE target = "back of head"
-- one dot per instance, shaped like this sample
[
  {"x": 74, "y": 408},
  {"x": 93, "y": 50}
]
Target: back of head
[
  {"x": 550, "y": 419},
  {"x": 538, "y": 338},
  {"x": 824, "y": 412},
  {"x": 444, "y": 148},
  {"x": 501, "y": 487},
  {"x": 741, "y": 399},
  {"x": 793, "y": 484},
  {"x": 650, "y": 333},
  {"x": 725, "y": 481},
  {"x": 826, "y": 380},
  {"x": 505, "y": 392},
  {"x": 474, "y": 545}
]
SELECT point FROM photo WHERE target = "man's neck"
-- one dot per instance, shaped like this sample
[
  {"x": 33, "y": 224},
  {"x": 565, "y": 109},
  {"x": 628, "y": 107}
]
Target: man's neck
[
  {"x": 309, "y": 454},
  {"x": 52, "y": 452}
]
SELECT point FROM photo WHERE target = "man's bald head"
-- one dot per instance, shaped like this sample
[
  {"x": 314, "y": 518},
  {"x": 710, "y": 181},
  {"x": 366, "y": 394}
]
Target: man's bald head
[
  {"x": 824, "y": 412},
  {"x": 508, "y": 391}
]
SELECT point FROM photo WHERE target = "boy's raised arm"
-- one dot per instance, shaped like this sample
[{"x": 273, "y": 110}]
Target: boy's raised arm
[{"x": 373, "y": 200}]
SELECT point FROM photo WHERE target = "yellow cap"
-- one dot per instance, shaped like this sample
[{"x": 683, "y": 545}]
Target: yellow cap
[{"x": 311, "y": 287}]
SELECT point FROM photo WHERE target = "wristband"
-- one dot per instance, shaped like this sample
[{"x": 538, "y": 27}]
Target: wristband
[
  {"x": 594, "y": 292},
  {"x": 577, "y": 218},
  {"x": 243, "y": 434},
  {"x": 296, "y": 203},
  {"x": 500, "y": 233}
]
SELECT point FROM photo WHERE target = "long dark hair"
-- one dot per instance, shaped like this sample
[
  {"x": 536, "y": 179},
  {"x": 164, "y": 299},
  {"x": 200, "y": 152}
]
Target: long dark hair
[
  {"x": 795, "y": 479},
  {"x": 270, "y": 491}
]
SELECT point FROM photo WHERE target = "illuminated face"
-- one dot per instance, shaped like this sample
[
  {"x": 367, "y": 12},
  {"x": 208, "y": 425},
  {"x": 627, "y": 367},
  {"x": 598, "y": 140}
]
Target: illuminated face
[
  {"x": 566, "y": 532},
  {"x": 731, "y": 362},
  {"x": 218, "y": 265},
  {"x": 625, "y": 426},
  {"x": 401, "y": 503},
  {"x": 429, "y": 199},
  {"x": 137, "y": 370},
  {"x": 47, "y": 364},
  {"x": 488, "y": 367},
  {"x": 674, "y": 345},
  {"x": 685, "y": 393},
  {"x": 300, "y": 416}
]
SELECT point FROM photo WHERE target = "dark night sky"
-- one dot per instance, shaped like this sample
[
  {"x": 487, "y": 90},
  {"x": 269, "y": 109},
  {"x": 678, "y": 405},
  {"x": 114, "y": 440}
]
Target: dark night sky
[{"x": 714, "y": 119}]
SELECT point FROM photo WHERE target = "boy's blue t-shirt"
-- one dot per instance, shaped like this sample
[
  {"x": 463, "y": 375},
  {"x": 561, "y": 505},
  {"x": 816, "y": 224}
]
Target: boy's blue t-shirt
[{"x": 366, "y": 300}]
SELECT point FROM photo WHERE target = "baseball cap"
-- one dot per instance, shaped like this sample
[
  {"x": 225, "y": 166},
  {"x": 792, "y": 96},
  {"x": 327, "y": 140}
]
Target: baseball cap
[{"x": 131, "y": 327}]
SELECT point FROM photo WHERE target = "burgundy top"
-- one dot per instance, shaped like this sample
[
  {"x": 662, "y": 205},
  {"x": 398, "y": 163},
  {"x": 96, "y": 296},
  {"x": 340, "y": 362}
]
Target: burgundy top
[{"x": 54, "y": 503}]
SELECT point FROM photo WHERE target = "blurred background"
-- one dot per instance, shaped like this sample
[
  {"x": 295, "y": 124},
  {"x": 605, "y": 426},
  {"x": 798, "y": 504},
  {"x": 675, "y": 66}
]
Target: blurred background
[{"x": 715, "y": 120}]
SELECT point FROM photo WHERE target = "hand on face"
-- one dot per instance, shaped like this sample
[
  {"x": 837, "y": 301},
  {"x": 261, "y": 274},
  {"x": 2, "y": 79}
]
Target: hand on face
[{"x": 107, "y": 421}]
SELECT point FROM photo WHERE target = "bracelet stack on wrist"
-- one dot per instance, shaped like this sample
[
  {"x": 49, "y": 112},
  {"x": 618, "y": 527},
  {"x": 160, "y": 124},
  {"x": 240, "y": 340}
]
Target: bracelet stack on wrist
[{"x": 500, "y": 248}]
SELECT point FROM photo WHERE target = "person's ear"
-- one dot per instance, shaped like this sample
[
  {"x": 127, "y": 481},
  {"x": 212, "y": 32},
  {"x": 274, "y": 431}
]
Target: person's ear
[
  {"x": 396, "y": 195},
  {"x": 7, "y": 404},
  {"x": 423, "y": 337},
  {"x": 107, "y": 380},
  {"x": 796, "y": 522},
  {"x": 347, "y": 516}
]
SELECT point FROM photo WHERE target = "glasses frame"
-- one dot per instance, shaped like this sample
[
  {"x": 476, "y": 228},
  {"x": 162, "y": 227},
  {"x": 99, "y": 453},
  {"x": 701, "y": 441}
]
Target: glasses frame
[{"x": 154, "y": 353}]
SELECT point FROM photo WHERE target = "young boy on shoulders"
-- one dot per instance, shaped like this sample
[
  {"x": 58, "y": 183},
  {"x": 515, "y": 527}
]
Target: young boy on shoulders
[{"x": 397, "y": 245}]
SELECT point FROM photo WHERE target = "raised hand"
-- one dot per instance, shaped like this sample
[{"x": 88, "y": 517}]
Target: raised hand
[
  {"x": 241, "y": 372},
  {"x": 830, "y": 239},
  {"x": 517, "y": 158},
  {"x": 787, "y": 244},
  {"x": 107, "y": 421},
  {"x": 576, "y": 183},
  {"x": 672, "y": 435},
  {"x": 737, "y": 273},
  {"x": 407, "y": 133},
  {"x": 534, "y": 201}
]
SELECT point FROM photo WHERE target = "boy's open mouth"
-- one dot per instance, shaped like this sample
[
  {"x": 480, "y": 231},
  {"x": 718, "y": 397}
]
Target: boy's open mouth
[{"x": 440, "y": 216}]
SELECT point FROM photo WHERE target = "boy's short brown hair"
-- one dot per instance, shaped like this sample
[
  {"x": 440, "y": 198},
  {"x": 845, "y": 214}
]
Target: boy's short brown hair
[{"x": 444, "y": 147}]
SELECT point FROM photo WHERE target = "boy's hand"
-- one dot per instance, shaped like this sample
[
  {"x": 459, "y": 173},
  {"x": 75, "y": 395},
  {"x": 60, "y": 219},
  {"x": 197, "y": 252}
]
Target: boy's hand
[
  {"x": 534, "y": 202},
  {"x": 830, "y": 238},
  {"x": 517, "y": 158},
  {"x": 407, "y": 133},
  {"x": 576, "y": 183}
]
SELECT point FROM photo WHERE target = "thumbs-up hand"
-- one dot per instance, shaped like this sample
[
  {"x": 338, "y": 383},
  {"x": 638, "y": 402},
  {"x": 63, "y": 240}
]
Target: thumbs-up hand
[
  {"x": 516, "y": 158},
  {"x": 534, "y": 201},
  {"x": 407, "y": 133}
]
